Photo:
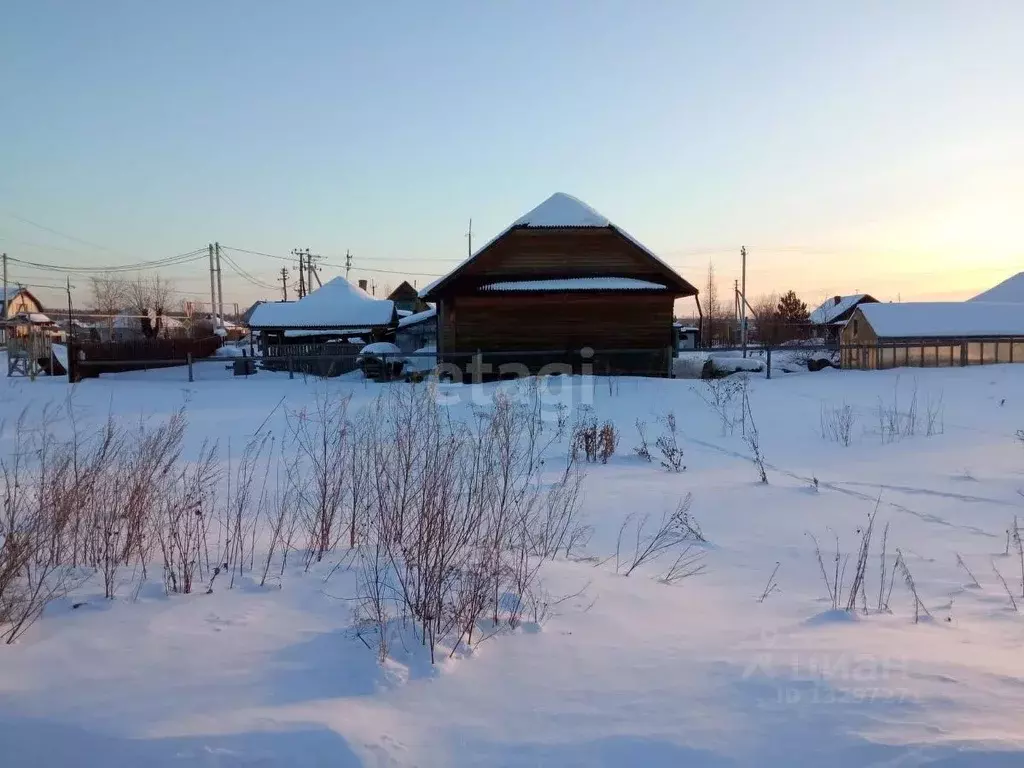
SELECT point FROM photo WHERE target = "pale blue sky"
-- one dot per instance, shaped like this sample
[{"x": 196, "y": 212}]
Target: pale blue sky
[{"x": 873, "y": 145}]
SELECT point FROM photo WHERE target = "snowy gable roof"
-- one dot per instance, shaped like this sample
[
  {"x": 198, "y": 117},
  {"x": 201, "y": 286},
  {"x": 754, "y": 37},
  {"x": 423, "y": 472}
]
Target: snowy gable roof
[
  {"x": 576, "y": 284},
  {"x": 337, "y": 304},
  {"x": 832, "y": 309},
  {"x": 945, "y": 319},
  {"x": 1011, "y": 289},
  {"x": 560, "y": 211}
]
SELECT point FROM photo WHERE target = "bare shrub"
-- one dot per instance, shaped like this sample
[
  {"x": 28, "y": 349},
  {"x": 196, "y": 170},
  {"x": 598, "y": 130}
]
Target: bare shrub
[
  {"x": 186, "y": 513},
  {"x": 908, "y": 579},
  {"x": 320, "y": 437},
  {"x": 837, "y": 424},
  {"x": 721, "y": 396},
  {"x": 607, "y": 441},
  {"x": 771, "y": 585},
  {"x": 751, "y": 436},
  {"x": 668, "y": 444},
  {"x": 960, "y": 562},
  {"x": 676, "y": 530},
  {"x": 456, "y": 531},
  {"x": 1009, "y": 592},
  {"x": 642, "y": 450},
  {"x": 584, "y": 436}
]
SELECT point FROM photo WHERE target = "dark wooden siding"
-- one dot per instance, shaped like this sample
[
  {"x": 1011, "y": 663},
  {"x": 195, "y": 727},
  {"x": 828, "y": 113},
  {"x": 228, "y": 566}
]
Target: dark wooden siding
[
  {"x": 561, "y": 324},
  {"x": 533, "y": 254}
]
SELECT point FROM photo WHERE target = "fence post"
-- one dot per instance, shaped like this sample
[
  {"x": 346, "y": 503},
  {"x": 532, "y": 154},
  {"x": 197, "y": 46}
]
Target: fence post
[
  {"x": 768, "y": 365},
  {"x": 189, "y": 358},
  {"x": 291, "y": 367}
]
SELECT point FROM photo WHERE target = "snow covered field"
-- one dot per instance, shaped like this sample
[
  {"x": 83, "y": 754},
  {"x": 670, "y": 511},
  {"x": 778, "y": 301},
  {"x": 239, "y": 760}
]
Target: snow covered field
[{"x": 626, "y": 670}]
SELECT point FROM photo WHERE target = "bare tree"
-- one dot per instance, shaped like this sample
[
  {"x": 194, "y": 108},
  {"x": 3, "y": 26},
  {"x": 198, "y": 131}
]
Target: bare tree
[
  {"x": 145, "y": 293},
  {"x": 109, "y": 295},
  {"x": 766, "y": 313}
]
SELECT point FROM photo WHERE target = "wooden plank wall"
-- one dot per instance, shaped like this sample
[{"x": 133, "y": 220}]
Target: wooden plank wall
[{"x": 563, "y": 321}]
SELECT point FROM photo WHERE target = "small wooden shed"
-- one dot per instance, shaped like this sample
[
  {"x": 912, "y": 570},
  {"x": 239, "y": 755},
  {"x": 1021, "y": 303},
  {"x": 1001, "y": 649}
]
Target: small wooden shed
[{"x": 561, "y": 288}]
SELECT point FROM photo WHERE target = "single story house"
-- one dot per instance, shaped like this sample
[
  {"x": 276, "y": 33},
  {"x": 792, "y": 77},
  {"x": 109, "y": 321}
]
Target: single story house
[
  {"x": 332, "y": 313},
  {"x": 933, "y": 334},
  {"x": 560, "y": 286},
  {"x": 827, "y": 321}
]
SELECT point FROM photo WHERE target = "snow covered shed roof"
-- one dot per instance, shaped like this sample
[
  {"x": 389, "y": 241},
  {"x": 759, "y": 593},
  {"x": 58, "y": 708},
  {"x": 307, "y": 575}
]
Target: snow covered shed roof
[
  {"x": 337, "y": 304},
  {"x": 945, "y": 319},
  {"x": 576, "y": 284},
  {"x": 418, "y": 318},
  {"x": 1011, "y": 289},
  {"x": 837, "y": 306},
  {"x": 562, "y": 211}
]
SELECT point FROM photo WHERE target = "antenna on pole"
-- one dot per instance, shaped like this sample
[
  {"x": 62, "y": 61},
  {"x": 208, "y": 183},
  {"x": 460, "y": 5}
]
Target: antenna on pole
[
  {"x": 348, "y": 263},
  {"x": 469, "y": 239},
  {"x": 284, "y": 282}
]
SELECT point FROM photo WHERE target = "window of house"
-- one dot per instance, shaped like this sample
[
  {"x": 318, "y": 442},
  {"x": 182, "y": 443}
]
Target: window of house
[{"x": 855, "y": 329}]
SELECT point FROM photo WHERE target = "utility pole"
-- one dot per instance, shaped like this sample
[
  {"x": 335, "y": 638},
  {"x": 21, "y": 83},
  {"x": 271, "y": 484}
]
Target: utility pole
[
  {"x": 469, "y": 239},
  {"x": 71, "y": 336},
  {"x": 302, "y": 271},
  {"x": 311, "y": 266},
  {"x": 743, "y": 304},
  {"x": 348, "y": 263},
  {"x": 284, "y": 282},
  {"x": 6, "y": 302},
  {"x": 213, "y": 286},
  {"x": 220, "y": 290}
]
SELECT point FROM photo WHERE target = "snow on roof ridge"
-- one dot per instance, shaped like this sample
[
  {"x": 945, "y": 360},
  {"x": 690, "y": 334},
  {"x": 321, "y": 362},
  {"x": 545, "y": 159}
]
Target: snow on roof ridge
[
  {"x": 562, "y": 210},
  {"x": 1011, "y": 289},
  {"x": 576, "y": 284}
]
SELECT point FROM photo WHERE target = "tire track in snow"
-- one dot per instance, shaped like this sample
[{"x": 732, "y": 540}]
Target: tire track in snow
[
  {"x": 927, "y": 492},
  {"x": 837, "y": 487}
]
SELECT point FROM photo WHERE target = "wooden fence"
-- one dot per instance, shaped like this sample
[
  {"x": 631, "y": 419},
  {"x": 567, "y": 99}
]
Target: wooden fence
[{"x": 91, "y": 358}]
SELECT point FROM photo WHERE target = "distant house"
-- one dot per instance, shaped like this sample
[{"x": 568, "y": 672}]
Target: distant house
[
  {"x": 687, "y": 336},
  {"x": 337, "y": 310},
  {"x": 827, "y": 321},
  {"x": 417, "y": 331},
  {"x": 407, "y": 299},
  {"x": 559, "y": 285},
  {"x": 1011, "y": 289},
  {"x": 933, "y": 334},
  {"x": 17, "y": 301}
]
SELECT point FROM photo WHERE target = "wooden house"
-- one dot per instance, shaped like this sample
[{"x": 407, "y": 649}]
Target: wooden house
[
  {"x": 827, "y": 321},
  {"x": 933, "y": 334},
  {"x": 560, "y": 286},
  {"x": 407, "y": 299},
  {"x": 17, "y": 301}
]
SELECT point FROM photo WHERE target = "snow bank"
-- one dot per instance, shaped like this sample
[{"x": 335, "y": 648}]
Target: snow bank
[{"x": 380, "y": 348}]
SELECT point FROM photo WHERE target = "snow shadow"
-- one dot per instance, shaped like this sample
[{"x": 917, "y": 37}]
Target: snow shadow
[{"x": 47, "y": 744}]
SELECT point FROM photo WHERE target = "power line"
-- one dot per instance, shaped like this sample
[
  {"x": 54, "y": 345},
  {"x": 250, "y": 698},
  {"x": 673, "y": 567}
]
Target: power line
[
  {"x": 59, "y": 233},
  {"x": 181, "y": 258}
]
